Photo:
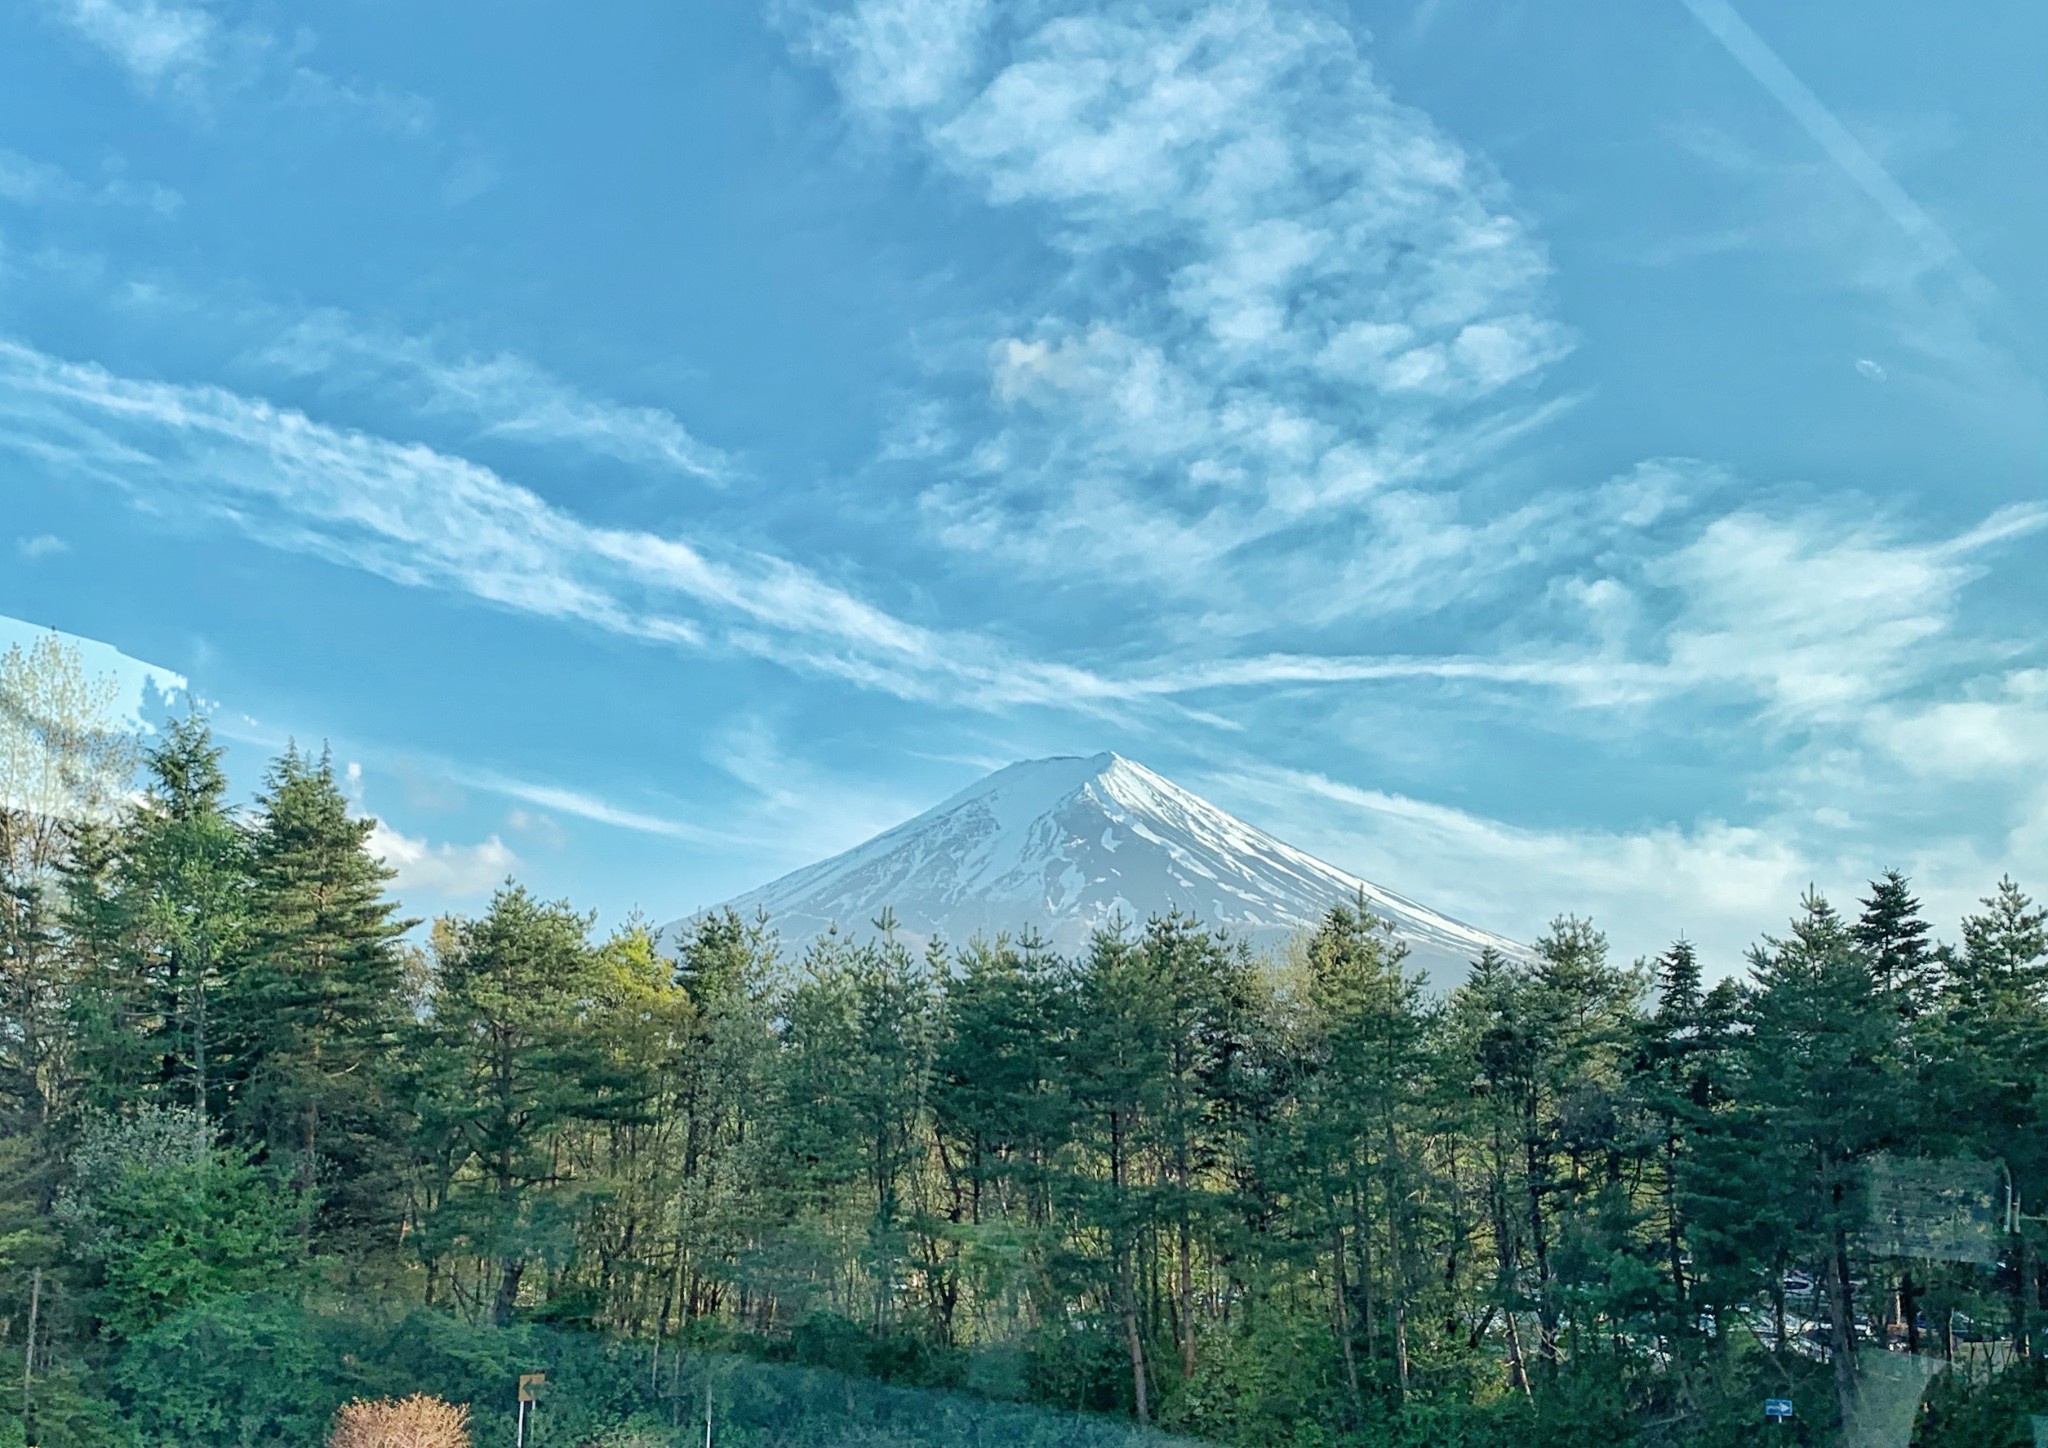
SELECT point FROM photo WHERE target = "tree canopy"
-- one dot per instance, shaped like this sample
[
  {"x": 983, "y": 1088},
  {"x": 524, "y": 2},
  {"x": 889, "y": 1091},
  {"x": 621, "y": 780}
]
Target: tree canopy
[{"x": 1289, "y": 1198}]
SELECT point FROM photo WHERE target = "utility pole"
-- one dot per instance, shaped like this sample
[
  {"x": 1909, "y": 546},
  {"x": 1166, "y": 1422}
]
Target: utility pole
[{"x": 28, "y": 1354}]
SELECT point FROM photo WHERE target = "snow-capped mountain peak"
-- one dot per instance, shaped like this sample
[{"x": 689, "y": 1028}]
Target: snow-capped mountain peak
[{"x": 1067, "y": 844}]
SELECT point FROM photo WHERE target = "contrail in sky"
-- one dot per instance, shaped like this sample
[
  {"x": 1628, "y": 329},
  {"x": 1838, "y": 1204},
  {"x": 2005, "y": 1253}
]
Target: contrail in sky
[{"x": 1819, "y": 122}]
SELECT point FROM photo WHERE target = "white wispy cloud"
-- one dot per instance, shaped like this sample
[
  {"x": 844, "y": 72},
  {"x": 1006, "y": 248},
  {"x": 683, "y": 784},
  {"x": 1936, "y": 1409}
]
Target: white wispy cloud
[
  {"x": 1914, "y": 741},
  {"x": 506, "y": 395},
  {"x": 155, "y": 41},
  {"x": 537, "y": 825},
  {"x": 901, "y": 54},
  {"x": 1708, "y": 880},
  {"x": 424, "y": 518},
  {"x": 1289, "y": 299},
  {"x": 796, "y": 808},
  {"x": 1718, "y": 882},
  {"x": 190, "y": 52},
  {"x": 400, "y": 113},
  {"x": 1996, "y": 729},
  {"x": 42, "y": 545},
  {"x": 453, "y": 871},
  {"x": 437, "y": 784},
  {"x": 25, "y": 182},
  {"x": 1818, "y": 617},
  {"x": 1983, "y": 748},
  {"x": 28, "y": 182},
  {"x": 1812, "y": 619},
  {"x": 582, "y": 804},
  {"x": 471, "y": 175}
]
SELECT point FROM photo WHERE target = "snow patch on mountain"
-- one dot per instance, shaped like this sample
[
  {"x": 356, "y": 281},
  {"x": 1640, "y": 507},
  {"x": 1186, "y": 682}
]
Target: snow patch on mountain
[{"x": 1069, "y": 844}]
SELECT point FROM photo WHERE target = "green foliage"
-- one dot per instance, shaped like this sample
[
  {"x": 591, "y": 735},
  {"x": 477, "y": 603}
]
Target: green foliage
[
  {"x": 1998, "y": 1415},
  {"x": 183, "y": 899},
  {"x": 239, "y": 1373},
  {"x": 514, "y": 995},
  {"x": 234, "y": 1371},
  {"x": 314, "y": 1008},
  {"x": 169, "y": 1220},
  {"x": 259, "y": 1153}
]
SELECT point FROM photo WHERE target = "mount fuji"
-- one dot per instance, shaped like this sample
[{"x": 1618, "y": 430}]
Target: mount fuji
[{"x": 1068, "y": 844}]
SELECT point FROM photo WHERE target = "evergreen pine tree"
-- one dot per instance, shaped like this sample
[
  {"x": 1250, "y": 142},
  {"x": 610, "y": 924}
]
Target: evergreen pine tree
[
  {"x": 515, "y": 995},
  {"x": 1581, "y": 1014},
  {"x": 183, "y": 899},
  {"x": 1823, "y": 1089},
  {"x": 2005, "y": 947},
  {"x": 1367, "y": 1031},
  {"x": 1121, "y": 1052},
  {"x": 1894, "y": 941},
  {"x": 315, "y": 1005},
  {"x": 727, "y": 1099},
  {"x": 111, "y": 1004},
  {"x": 1990, "y": 1086},
  {"x": 998, "y": 1074},
  {"x": 1675, "y": 1087},
  {"x": 1489, "y": 1014}
]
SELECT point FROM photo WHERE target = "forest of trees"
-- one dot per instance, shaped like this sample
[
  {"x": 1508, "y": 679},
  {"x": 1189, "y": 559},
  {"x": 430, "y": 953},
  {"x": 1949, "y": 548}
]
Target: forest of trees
[{"x": 1291, "y": 1198}]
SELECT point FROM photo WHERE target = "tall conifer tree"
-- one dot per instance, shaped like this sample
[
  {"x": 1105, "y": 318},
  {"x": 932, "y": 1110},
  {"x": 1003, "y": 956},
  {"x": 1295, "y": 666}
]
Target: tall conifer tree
[
  {"x": 184, "y": 901},
  {"x": 1823, "y": 1085},
  {"x": 315, "y": 1006},
  {"x": 516, "y": 993},
  {"x": 1894, "y": 940}
]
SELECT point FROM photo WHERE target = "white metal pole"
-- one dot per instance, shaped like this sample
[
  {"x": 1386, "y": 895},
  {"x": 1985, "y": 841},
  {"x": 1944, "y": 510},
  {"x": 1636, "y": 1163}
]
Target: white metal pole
[{"x": 28, "y": 1353}]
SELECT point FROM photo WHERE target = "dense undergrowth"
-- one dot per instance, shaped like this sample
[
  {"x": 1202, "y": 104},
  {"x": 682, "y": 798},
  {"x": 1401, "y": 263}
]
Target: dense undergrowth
[{"x": 244, "y": 1372}]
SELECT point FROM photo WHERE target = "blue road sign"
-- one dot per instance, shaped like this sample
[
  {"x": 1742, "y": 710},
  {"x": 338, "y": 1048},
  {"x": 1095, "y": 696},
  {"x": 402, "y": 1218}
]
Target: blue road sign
[{"x": 1777, "y": 1407}]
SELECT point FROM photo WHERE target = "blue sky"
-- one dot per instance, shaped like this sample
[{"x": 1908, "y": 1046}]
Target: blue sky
[{"x": 1541, "y": 457}]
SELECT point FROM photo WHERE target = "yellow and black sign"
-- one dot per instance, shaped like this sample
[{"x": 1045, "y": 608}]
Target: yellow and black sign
[{"x": 530, "y": 1385}]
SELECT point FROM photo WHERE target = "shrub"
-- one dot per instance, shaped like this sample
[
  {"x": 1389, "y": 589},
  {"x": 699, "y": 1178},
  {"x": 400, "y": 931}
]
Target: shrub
[
  {"x": 415, "y": 1422},
  {"x": 170, "y": 1220}
]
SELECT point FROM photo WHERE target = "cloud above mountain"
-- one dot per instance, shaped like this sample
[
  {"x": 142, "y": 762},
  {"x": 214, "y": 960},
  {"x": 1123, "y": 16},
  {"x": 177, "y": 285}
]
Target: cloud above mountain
[{"x": 1288, "y": 301}]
